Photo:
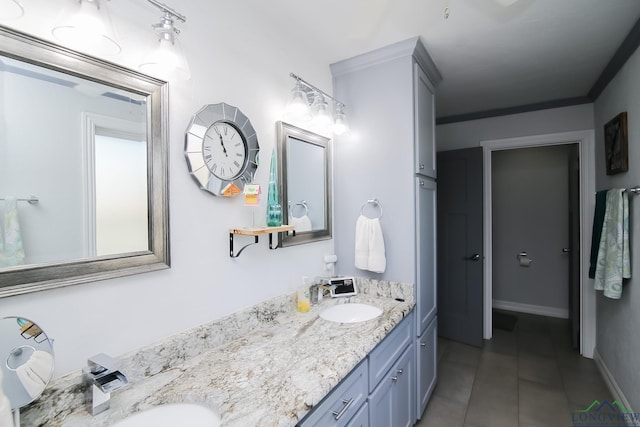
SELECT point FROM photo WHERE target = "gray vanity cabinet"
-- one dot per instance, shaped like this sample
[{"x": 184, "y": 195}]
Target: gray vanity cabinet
[{"x": 380, "y": 391}]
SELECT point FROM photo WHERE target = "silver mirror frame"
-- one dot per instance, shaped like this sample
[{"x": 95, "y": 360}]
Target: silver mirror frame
[
  {"x": 284, "y": 131},
  {"x": 37, "y": 277}
]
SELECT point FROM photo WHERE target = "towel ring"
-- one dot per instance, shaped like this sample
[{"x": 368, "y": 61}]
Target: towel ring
[
  {"x": 304, "y": 205},
  {"x": 374, "y": 202},
  {"x": 17, "y": 352}
]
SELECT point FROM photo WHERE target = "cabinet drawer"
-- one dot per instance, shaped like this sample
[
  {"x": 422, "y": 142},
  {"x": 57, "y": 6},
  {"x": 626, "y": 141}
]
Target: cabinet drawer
[
  {"x": 388, "y": 351},
  {"x": 344, "y": 401}
]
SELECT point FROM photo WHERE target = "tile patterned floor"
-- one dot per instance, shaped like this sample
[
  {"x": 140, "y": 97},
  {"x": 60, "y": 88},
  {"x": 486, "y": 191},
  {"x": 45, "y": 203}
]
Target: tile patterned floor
[{"x": 528, "y": 377}]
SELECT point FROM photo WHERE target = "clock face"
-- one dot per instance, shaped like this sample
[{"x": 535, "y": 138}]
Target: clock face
[
  {"x": 224, "y": 150},
  {"x": 221, "y": 149}
]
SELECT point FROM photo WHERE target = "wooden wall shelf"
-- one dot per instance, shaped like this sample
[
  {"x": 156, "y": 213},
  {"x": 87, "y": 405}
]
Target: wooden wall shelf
[{"x": 256, "y": 232}]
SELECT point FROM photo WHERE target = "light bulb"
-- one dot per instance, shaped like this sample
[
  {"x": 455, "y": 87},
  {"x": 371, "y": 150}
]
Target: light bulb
[
  {"x": 321, "y": 121},
  {"x": 340, "y": 124},
  {"x": 88, "y": 28},
  {"x": 166, "y": 60},
  {"x": 297, "y": 109}
]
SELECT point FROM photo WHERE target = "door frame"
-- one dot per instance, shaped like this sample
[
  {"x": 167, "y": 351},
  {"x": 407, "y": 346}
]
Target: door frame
[{"x": 585, "y": 140}]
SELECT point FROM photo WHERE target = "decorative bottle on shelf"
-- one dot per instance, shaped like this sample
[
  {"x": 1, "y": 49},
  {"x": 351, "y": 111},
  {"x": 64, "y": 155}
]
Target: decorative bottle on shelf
[{"x": 274, "y": 210}]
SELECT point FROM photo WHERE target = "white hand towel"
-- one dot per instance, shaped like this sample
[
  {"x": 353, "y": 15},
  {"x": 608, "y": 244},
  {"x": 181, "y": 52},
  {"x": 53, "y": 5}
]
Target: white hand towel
[
  {"x": 369, "y": 245},
  {"x": 613, "y": 254},
  {"x": 362, "y": 243},
  {"x": 6, "y": 418},
  {"x": 377, "y": 258},
  {"x": 300, "y": 224},
  {"x": 12, "y": 252},
  {"x": 32, "y": 383},
  {"x": 41, "y": 363}
]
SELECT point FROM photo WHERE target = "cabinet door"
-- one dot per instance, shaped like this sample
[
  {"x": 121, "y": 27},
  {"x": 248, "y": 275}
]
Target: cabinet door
[
  {"x": 392, "y": 403},
  {"x": 426, "y": 359},
  {"x": 404, "y": 391},
  {"x": 424, "y": 111},
  {"x": 425, "y": 252}
]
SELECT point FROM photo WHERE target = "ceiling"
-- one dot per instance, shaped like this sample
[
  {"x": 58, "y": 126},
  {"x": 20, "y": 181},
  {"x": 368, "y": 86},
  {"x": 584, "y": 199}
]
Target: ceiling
[{"x": 495, "y": 56}]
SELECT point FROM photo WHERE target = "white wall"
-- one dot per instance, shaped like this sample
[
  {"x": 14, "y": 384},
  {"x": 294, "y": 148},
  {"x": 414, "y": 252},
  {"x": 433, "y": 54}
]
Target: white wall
[
  {"x": 618, "y": 320},
  {"x": 235, "y": 57},
  {"x": 378, "y": 163},
  {"x": 469, "y": 134}
]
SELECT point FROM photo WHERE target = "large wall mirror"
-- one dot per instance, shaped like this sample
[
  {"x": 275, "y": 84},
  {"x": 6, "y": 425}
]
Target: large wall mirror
[
  {"x": 88, "y": 140},
  {"x": 304, "y": 174}
]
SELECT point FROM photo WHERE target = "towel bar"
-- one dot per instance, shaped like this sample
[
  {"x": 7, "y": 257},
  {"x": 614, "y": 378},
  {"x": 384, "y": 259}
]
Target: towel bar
[{"x": 32, "y": 200}]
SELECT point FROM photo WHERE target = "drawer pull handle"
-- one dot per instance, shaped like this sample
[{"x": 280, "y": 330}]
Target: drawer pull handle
[
  {"x": 347, "y": 404},
  {"x": 394, "y": 379},
  {"x": 421, "y": 166},
  {"x": 423, "y": 344},
  {"x": 399, "y": 371}
]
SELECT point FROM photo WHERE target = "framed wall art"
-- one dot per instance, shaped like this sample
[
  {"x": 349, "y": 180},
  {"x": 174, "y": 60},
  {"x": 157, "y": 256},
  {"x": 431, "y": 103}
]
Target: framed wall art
[{"x": 616, "y": 144}]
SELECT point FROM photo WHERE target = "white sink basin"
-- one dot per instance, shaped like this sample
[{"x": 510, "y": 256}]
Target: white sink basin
[
  {"x": 180, "y": 414},
  {"x": 350, "y": 313}
]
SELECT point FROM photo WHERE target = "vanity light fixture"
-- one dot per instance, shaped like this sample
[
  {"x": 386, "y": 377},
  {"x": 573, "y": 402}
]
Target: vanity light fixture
[
  {"x": 87, "y": 26},
  {"x": 167, "y": 60},
  {"x": 298, "y": 110},
  {"x": 10, "y": 9}
]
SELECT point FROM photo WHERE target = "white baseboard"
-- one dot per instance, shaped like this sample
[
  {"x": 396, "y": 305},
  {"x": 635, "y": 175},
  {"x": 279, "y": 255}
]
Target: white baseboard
[
  {"x": 562, "y": 313},
  {"x": 611, "y": 382}
]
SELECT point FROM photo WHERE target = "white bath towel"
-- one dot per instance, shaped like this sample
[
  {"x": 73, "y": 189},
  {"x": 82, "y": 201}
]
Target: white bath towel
[
  {"x": 300, "y": 224},
  {"x": 11, "y": 250},
  {"x": 35, "y": 373},
  {"x": 613, "y": 254},
  {"x": 369, "y": 245},
  {"x": 6, "y": 418}
]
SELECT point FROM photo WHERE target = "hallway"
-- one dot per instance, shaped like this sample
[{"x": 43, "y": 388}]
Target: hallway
[{"x": 522, "y": 378}]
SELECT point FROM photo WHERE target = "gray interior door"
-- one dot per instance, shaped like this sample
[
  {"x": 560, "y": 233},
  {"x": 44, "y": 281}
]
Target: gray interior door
[{"x": 460, "y": 245}]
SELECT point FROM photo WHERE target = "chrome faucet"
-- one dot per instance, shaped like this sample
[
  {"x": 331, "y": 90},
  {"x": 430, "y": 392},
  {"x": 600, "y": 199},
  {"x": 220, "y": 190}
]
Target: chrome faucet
[{"x": 101, "y": 377}]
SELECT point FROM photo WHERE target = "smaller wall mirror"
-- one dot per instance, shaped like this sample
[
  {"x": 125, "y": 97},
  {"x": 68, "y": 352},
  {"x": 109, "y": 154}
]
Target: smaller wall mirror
[
  {"x": 27, "y": 364},
  {"x": 304, "y": 176}
]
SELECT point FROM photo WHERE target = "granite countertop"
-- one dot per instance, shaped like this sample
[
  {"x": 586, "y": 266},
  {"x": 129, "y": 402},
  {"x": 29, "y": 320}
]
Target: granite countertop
[{"x": 270, "y": 376}]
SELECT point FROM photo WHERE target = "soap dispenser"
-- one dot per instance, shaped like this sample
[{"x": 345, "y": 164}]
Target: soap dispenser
[{"x": 303, "y": 296}]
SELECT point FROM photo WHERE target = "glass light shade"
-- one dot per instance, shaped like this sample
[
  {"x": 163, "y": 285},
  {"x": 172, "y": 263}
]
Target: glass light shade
[
  {"x": 340, "y": 124},
  {"x": 297, "y": 109},
  {"x": 87, "y": 27},
  {"x": 10, "y": 9},
  {"x": 321, "y": 121},
  {"x": 166, "y": 61}
]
